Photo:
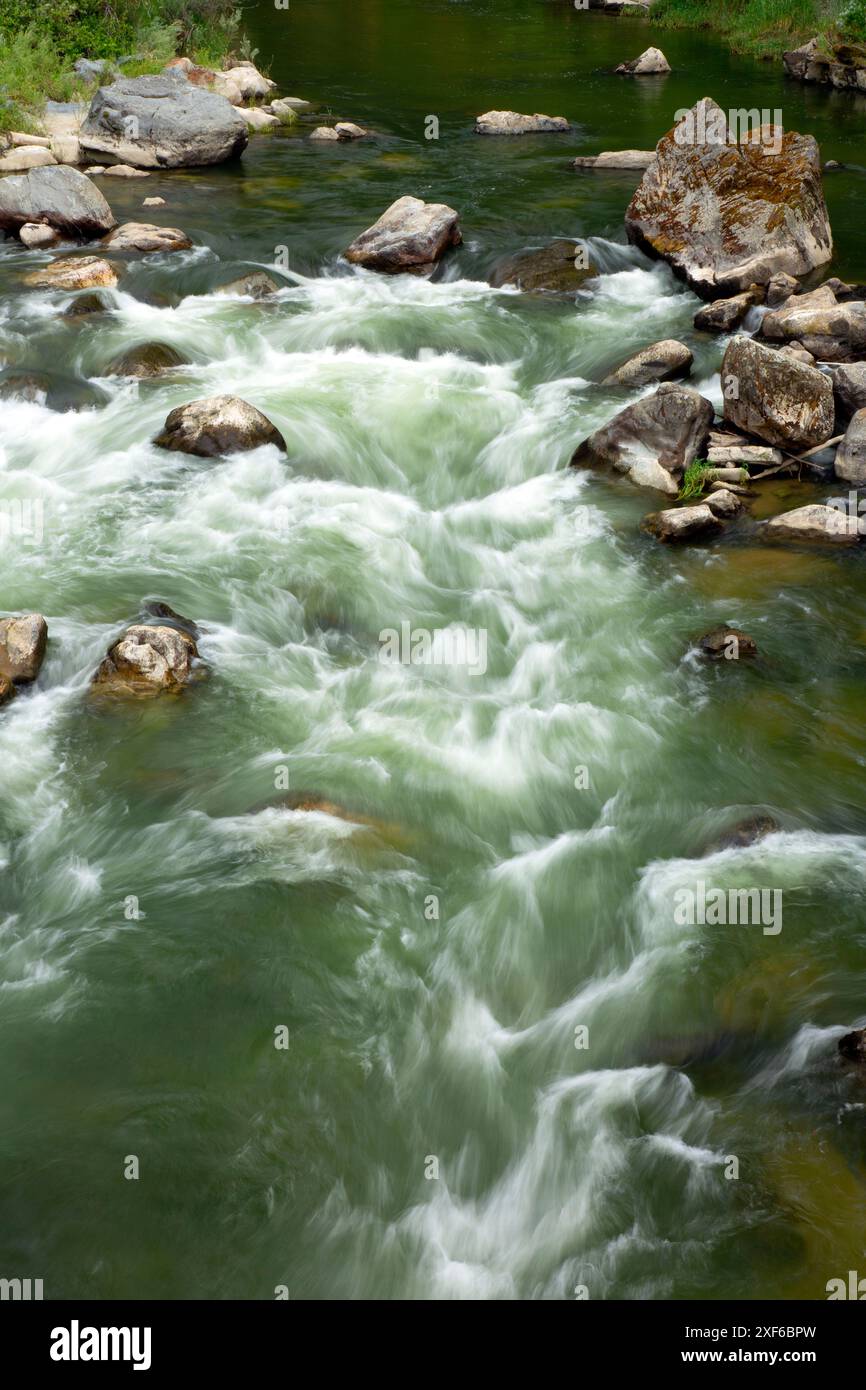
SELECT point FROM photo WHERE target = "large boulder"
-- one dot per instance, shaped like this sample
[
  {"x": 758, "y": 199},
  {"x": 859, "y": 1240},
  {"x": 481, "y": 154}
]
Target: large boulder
[
  {"x": 410, "y": 236},
  {"x": 74, "y": 273},
  {"x": 162, "y": 122},
  {"x": 513, "y": 123},
  {"x": 770, "y": 395},
  {"x": 651, "y": 62},
  {"x": 815, "y": 523},
  {"x": 22, "y": 647},
  {"x": 558, "y": 268},
  {"x": 64, "y": 198},
  {"x": 147, "y": 660},
  {"x": 652, "y": 441},
  {"x": 850, "y": 461},
  {"x": 217, "y": 425},
  {"x": 829, "y": 330},
  {"x": 663, "y": 361},
  {"x": 143, "y": 237},
  {"x": 849, "y": 389},
  {"x": 726, "y": 215}
]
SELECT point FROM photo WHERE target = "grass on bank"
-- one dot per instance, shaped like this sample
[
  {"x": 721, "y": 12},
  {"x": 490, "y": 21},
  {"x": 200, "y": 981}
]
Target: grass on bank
[
  {"x": 766, "y": 28},
  {"x": 40, "y": 42}
]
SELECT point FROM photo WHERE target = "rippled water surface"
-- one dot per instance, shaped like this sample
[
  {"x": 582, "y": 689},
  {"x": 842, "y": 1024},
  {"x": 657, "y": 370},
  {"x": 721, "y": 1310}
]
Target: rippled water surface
[{"x": 427, "y": 425}]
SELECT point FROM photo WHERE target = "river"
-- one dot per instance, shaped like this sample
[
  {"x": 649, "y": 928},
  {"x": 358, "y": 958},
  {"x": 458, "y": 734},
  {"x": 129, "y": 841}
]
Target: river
[{"x": 435, "y": 1126}]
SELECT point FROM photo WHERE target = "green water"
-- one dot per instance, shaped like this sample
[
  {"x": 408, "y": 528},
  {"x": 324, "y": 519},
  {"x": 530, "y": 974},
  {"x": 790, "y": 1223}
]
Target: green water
[{"x": 427, "y": 425}]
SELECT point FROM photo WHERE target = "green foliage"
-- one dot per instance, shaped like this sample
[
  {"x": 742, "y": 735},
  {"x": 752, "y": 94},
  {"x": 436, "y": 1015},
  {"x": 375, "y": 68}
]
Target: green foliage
[
  {"x": 852, "y": 21},
  {"x": 28, "y": 64},
  {"x": 761, "y": 27},
  {"x": 694, "y": 479}
]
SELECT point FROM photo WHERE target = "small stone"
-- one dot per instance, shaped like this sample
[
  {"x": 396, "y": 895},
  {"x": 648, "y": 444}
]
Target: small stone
[
  {"x": 722, "y": 502},
  {"x": 74, "y": 273},
  {"x": 681, "y": 523},
  {"x": 256, "y": 285},
  {"x": 22, "y": 647},
  {"x": 513, "y": 123},
  {"x": 142, "y": 237},
  {"x": 37, "y": 234},
  {"x": 651, "y": 62},
  {"x": 663, "y": 361},
  {"x": 153, "y": 203},
  {"x": 727, "y": 644},
  {"x": 147, "y": 660},
  {"x": 124, "y": 171},
  {"x": 18, "y": 160}
]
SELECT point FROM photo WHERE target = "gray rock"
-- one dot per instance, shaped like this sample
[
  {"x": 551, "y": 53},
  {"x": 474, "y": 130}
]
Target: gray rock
[
  {"x": 831, "y": 331},
  {"x": 850, "y": 464},
  {"x": 26, "y": 157},
  {"x": 22, "y": 647},
  {"x": 64, "y": 198},
  {"x": 144, "y": 237},
  {"x": 217, "y": 425},
  {"x": 513, "y": 123},
  {"x": 410, "y": 236},
  {"x": 727, "y": 215},
  {"x": 832, "y": 525},
  {"x": 779, "y": 288},
  {"x": 37, "y": 234},
  {"x": 722, "y": 502},
  {"x": 650, "y": 63},
  {"x": 775, "y": 398},
  {"x": 256, "y": 285},
  {"x": 724, "y": 315},
  {"x": 89, "y": 69},
  {"x": 616, "y": 159},
  {"x": 743, "y": 454},
  {"x": 162, "y": 122},
  {"x": 662, "y": 361},
  {"x": 653, "y": 440},
  {"x": 849, "y": 389},
  {"x": 681, "y": 523}
]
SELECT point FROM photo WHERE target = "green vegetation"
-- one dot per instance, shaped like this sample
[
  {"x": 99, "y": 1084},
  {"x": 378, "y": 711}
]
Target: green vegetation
[
  {"x": 40, "y": 42},
  {"x": 694, "y": 480},
  {"x": 764, "y": 28}
]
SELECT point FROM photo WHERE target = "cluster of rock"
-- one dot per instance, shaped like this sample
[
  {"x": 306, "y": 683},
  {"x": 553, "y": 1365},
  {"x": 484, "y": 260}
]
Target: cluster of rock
[{"x": 832, "y": 62}]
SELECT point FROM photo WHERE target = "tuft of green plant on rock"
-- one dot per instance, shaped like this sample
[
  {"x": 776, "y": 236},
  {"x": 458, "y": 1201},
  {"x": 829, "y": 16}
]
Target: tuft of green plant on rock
[{"x": 694, "y": 480}]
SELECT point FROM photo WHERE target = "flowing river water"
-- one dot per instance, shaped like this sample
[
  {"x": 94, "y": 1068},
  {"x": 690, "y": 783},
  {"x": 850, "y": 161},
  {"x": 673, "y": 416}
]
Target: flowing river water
[{"x": 435, "y": 1127}]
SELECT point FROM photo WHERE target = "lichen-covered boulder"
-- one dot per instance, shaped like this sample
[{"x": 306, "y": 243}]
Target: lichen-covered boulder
[
  {"x": 774, "y": 397},
  {"x": 147, "y": 660},
  {"x": 726, "y": 215},
  {"x": 217, "y": 425}
]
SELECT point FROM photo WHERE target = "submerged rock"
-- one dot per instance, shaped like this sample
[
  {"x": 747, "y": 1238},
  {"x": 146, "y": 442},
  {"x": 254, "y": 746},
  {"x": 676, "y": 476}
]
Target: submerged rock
[
  {"x": 147, "y": 359},
  {"x": 616, "y": 159},
  {"x": 774, "y": 397},
  {"x": 74, "y": 273},
  {"x": 681, "y": 523},
  {"x": 850, "y": 463},
  {"x": 256, "y": 285},
  {"x": 168, "y": 617},
  {"x": 815, "y": 523},
  {"x": 62, "y": 197},
  {"x": 727, "y": 644},
  {"x": 143, "y": 237},
  {"x": 513, "y": 123},
  {"x": 724, "y": 315},
  {"x": 85, "y": 305},
  {"x": 53, "y": 389},
  {"x": 162, "y": 122},
  {"x": 726, "y": 215},
  {"x": 651, "y": 62},
  {"x": 558, "y": 268},
  {"x": 744, "y": 833},
  {"x": 662, "y": 361},
  {"x": 410, "y": 236},
  {"x": 217, "y": 425},
  {"x": 652, "y": 441},
  {"x": 147, "y": 660},
  {"x": 22, "y": 647}
]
